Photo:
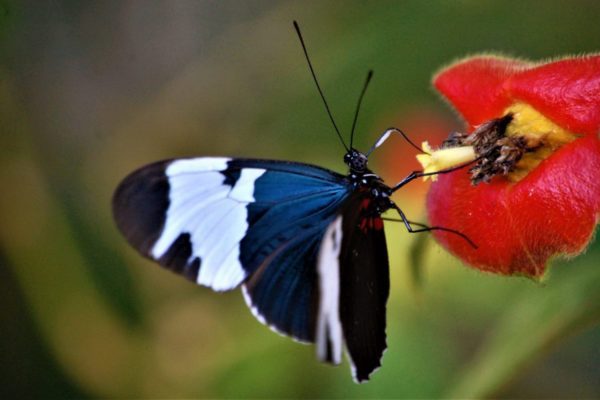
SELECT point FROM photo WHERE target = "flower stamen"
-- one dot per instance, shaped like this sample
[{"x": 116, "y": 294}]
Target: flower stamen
[
  {"x": 445, "y": 158},
  {"x": 496, "y": 152}
]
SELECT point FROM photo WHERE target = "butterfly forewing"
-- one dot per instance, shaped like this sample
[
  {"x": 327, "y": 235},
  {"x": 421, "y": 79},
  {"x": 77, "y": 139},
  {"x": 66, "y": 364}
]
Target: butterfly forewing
[{"x": 219, "y": 221}]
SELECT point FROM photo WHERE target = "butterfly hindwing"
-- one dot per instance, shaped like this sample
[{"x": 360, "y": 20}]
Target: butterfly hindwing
[
  {"x": 353, "y": 275},
  {"x": 282, "y": 293},
  {"x": 364, "y": 287},
  {"x": 329, "y": 336}
]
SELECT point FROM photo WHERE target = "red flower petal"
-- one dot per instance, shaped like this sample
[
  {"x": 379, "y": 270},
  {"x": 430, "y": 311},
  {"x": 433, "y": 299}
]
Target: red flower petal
[
  {"x": 475, "y": 87},
  {"x": 517, "y": 227},
  {"x": 566, "y": 91}
]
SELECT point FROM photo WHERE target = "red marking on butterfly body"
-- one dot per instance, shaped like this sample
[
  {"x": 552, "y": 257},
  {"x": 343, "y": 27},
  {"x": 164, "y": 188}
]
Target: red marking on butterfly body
[
  {"x": 370, "y": 223},
  {"x": 367, "y": 223}
]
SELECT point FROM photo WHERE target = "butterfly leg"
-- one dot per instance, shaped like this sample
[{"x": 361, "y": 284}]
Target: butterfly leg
[
  {"x": 400, "y": 220},
  {"x": 425, "y": 228},
  {"x": 386, "y": 135},
  {"x": 419, "y": 174}
]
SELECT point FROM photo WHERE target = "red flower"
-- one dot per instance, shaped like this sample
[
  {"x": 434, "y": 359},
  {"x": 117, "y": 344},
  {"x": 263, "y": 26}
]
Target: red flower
[{"x": 549, "y": 203}]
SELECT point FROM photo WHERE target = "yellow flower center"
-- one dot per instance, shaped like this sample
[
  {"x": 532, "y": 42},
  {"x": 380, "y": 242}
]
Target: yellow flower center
[{"x": 539, "y": 131}]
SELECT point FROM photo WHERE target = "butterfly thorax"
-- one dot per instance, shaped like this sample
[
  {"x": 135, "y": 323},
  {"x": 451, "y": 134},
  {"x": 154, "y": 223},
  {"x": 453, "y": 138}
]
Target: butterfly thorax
[{"x": 365, "y": 180}]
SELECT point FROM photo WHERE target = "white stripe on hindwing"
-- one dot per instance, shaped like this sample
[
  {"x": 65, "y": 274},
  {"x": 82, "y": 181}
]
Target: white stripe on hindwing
[
  {"x": 329, "y": 327},
  {"x": 214, "y": 214}
]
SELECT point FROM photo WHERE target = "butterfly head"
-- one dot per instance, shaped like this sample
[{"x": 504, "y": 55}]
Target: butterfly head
[{"x": 357, "y": 161}]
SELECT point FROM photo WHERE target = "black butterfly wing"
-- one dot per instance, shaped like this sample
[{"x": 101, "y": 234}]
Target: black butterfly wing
[
  {"x": 220, "y": 222},
  {"x": 353, "y": 273}
]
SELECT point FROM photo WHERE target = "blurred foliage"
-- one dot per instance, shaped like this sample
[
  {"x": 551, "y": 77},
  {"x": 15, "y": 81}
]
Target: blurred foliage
[
  {"x": 533, "y": 323},
  {"x": 91, "y": 90}
]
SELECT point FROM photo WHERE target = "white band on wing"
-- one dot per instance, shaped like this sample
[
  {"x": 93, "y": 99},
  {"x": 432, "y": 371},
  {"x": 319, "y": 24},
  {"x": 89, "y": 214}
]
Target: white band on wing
[{"x": 329, "y": 327}]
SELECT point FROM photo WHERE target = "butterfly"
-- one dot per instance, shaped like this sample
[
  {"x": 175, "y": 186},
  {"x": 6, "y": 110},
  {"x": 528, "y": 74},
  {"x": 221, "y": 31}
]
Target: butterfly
[{"x": 307, "y": 245}]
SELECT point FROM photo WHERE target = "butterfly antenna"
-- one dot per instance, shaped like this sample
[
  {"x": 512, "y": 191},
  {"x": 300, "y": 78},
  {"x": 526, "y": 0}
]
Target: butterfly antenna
[
  {"x": 362, "y": 94},
  {"x": 312, "y": 71}
]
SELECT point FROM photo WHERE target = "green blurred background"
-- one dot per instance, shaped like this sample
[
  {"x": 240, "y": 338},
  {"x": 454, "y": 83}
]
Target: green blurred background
[{"x": 91, "y": 90}]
